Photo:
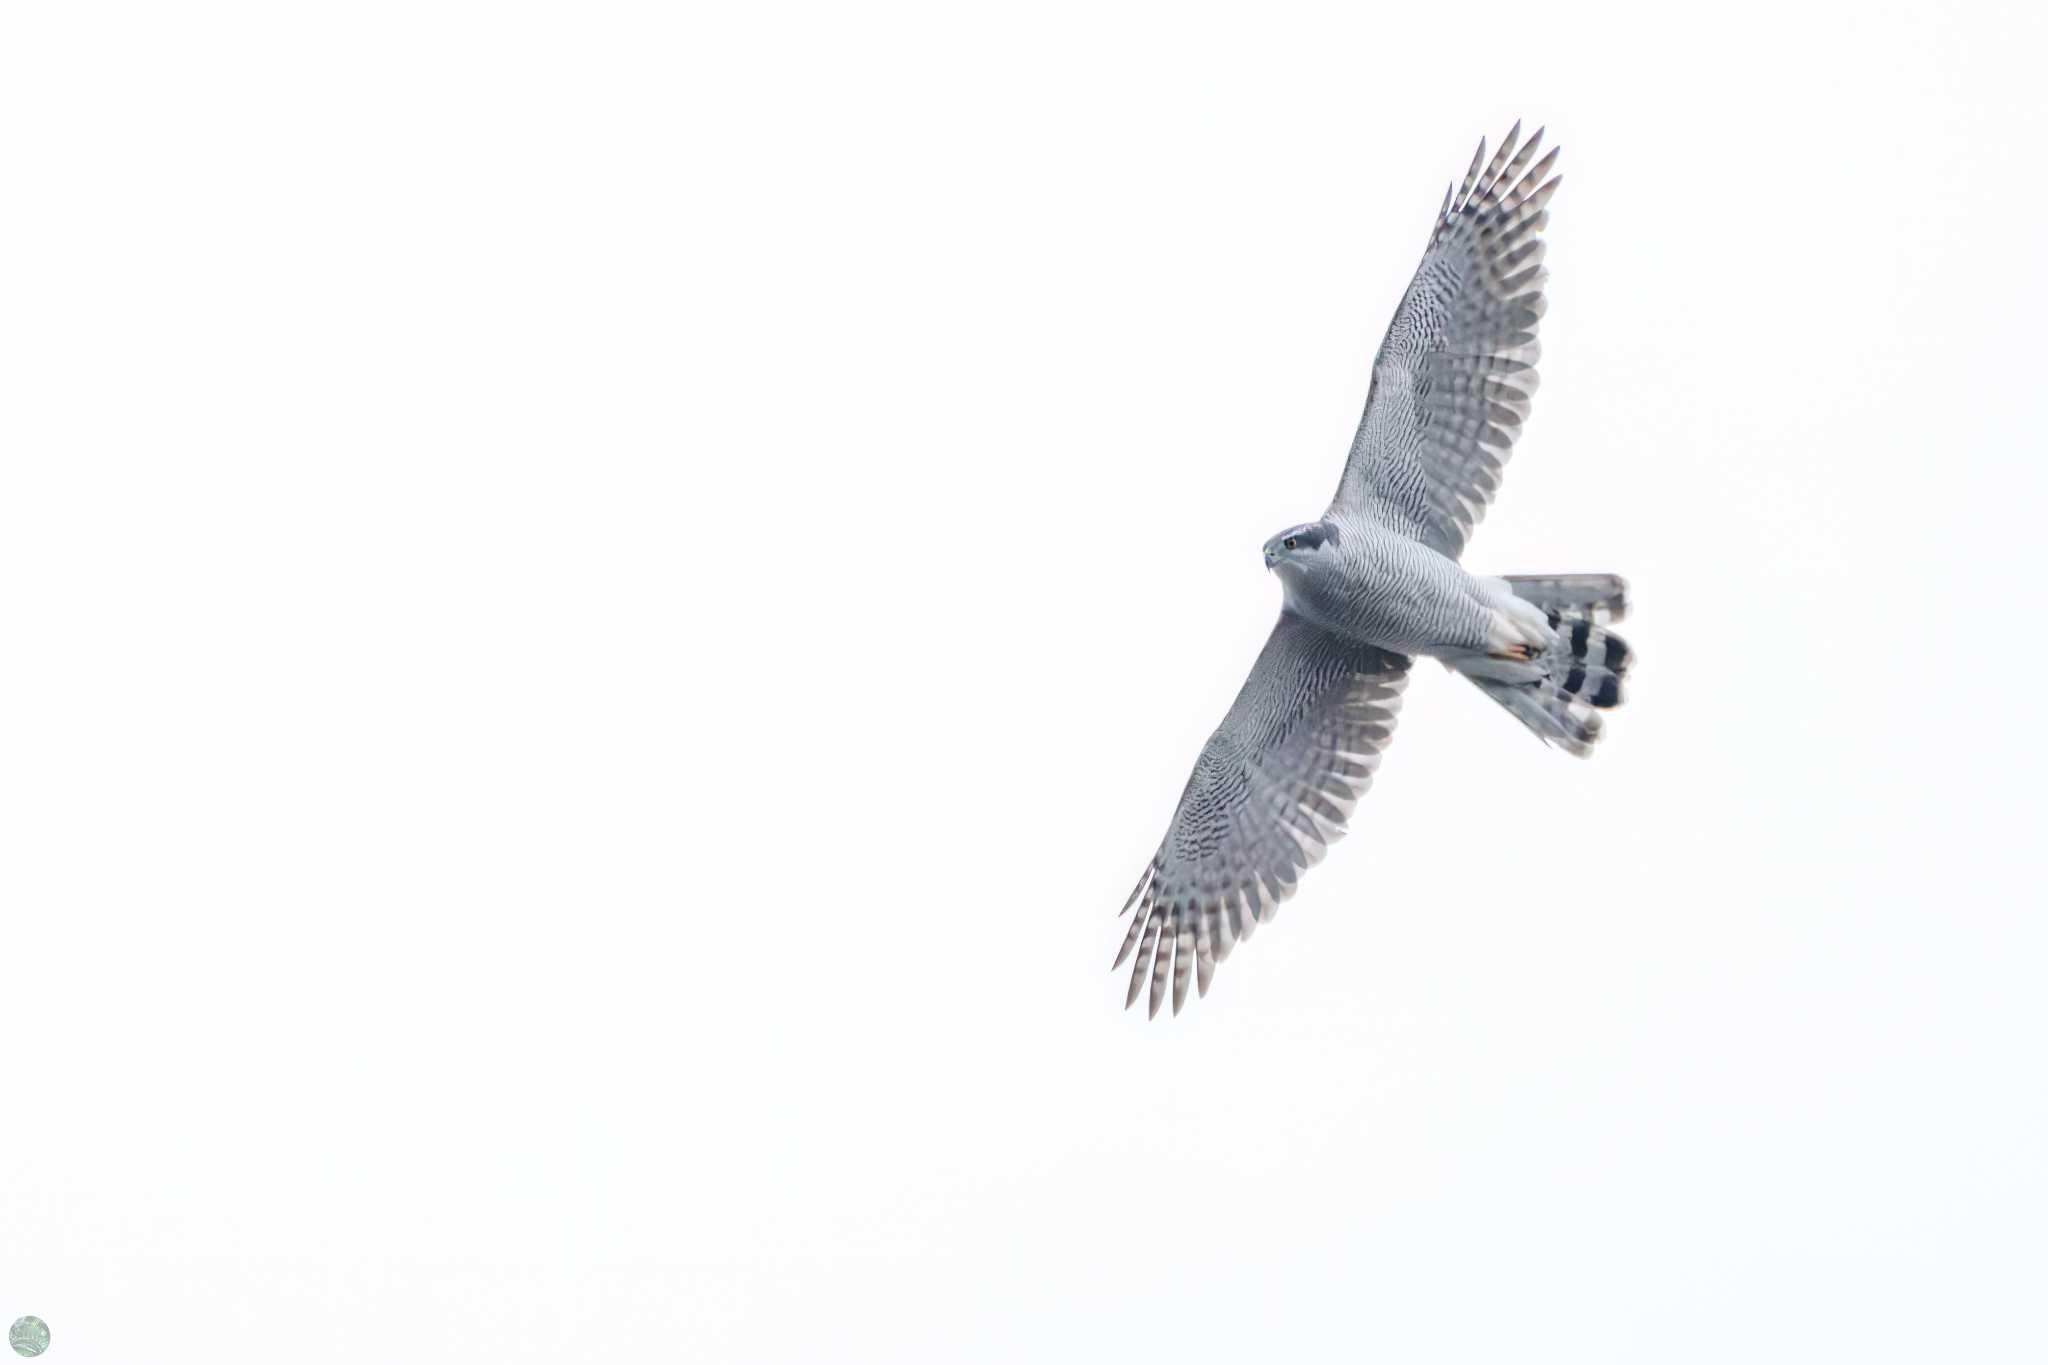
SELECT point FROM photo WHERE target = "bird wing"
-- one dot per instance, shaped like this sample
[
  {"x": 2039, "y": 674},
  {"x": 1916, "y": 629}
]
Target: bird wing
[
  {"x": 1453, "y": 378},
  {"x": 1270, "y": 793}
]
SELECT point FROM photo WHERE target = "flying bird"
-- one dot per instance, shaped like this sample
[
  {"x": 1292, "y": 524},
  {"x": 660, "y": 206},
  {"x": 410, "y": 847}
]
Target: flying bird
[{"x": 1376, "y": 583}]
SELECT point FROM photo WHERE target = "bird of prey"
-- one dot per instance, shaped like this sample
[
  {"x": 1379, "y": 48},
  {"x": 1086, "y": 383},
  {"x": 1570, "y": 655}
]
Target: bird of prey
[{"x": 1376, "y": 582}]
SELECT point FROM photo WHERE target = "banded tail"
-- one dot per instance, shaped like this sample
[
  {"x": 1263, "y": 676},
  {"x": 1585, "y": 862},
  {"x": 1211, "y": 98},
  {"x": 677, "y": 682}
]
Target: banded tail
[{"x": 1560, "y": 693}]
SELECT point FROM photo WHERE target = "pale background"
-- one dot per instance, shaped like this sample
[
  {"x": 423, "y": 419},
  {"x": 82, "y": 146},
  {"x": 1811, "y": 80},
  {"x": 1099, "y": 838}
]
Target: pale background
[{"x": 600, "y": 605}]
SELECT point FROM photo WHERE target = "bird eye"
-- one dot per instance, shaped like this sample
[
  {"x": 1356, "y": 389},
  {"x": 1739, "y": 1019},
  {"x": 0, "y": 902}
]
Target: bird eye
[{"x": 1290, "y": 544}]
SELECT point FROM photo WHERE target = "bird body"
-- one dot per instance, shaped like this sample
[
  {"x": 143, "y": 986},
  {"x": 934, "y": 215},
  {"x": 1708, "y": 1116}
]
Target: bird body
[
  {"x": 1376, "y": 582},
  {"x": 1378, "y": 587}
]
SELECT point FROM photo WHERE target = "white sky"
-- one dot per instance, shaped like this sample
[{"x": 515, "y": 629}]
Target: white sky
[{"x": 601, "y": 605}]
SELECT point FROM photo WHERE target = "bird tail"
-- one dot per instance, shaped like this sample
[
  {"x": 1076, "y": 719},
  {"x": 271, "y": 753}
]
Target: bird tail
[{"x": 1560, "y": 693}]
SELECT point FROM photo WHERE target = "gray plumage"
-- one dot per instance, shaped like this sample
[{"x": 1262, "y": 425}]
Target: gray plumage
[{"x": 1377, "y": 582}]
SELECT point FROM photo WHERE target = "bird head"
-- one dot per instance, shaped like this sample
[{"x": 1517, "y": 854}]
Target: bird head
[{"x": 1299, "y": 545}]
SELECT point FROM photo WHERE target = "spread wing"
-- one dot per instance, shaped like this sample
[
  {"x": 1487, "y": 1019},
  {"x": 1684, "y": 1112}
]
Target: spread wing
[
  {"x": 1453, "y": 378},
  {"x": 1270, "y": 793}
]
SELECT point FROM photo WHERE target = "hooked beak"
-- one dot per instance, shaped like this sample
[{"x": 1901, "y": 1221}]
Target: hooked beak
[{"x": 1272, "y": 556}]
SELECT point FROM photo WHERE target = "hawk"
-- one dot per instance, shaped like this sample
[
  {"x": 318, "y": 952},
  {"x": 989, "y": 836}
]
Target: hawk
[{"x": 1376, "y": 583}]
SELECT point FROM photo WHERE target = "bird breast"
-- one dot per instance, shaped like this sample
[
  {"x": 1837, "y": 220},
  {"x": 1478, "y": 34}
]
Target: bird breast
[{"x": 1389, "y": 591}]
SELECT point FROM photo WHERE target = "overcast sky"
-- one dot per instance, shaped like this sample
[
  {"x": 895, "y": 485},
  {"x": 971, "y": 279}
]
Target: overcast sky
[{"x": 602, "y": 603}]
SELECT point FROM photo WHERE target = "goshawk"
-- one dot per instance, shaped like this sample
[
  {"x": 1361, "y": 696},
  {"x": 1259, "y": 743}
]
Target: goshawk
[{"x": 1377, "y": 582}]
